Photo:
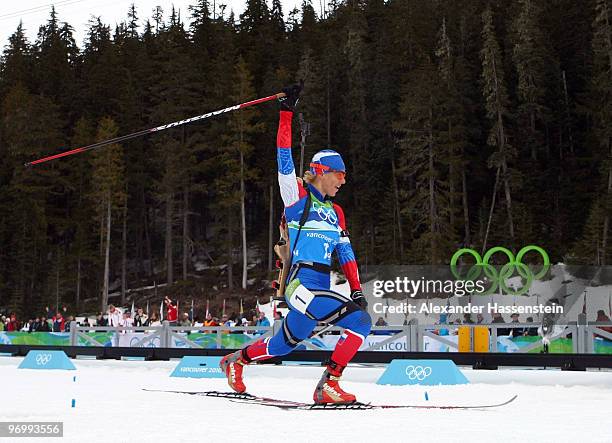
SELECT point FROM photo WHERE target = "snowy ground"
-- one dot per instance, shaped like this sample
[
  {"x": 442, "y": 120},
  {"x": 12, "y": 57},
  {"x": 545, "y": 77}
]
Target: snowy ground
[{"x": 552, "y": 406}]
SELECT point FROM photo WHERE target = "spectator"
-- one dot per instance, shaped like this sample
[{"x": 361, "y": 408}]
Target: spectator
[
  {"x": 443, "y": 321},
  {"x": 225, "y": 321},
  {"x": 27, "y": 326},
  {"x": 262, "y": 320},
  {"x": 100, "y": 320},
  {"x": 197, "y": 322},
  {"x": 210, "y": 321},
  {"x": 67, "y": 324},
  {"x": 153, "y": 320},
  {"x": 278, "y": 315},
  {"x": 2, "y": 323},
  {"x": 126, "y": 320},
  {"x": 497, "y": 318},
  {"x": 140, "y": 319},
  {"x": 479, "y": 319},
  {"x": 185, "y": 320},
  {"x": 516, "y": 332},
  {"x": 114, "y": 316},
  {"x": 171, "y": 311},
  {"x": 59, "y": 323},
  {"x": 44, "y": 325},
  {"x": 12, "y": 325},
  {"x": 602, "y": 317},
  {"x": 467, "y": 319},
  {"x": 532, "y": 332},
  {"x": 381, "y": 322}
]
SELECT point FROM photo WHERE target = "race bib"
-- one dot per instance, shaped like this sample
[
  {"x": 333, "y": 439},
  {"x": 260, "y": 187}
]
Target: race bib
[{"x": 298, "y": 296}]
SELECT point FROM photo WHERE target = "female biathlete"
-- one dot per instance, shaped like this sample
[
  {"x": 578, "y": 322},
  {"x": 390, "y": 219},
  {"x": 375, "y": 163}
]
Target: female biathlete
[{"x": 308, "y": 291}]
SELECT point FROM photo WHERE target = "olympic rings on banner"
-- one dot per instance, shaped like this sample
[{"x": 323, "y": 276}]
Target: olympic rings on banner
[
  {"x": 419, "y": 373},
  {"x": 43, "y": 359},
  {"x": 506, "y": 271}
]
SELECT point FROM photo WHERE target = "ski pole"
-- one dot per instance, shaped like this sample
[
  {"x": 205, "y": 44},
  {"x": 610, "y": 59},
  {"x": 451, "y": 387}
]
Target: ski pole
[{"x": 156, "y": 129}]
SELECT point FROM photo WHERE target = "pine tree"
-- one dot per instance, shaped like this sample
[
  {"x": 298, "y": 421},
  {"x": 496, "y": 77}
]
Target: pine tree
[
  {"x": 241, "y": 128},
  {"x": 602, "y": 116},
  {"x": 497, "y": 103},
  {"x": 107, "y": 193},
  {"x": 423, "y": 158},
  {"x": 16, "y": 62}
]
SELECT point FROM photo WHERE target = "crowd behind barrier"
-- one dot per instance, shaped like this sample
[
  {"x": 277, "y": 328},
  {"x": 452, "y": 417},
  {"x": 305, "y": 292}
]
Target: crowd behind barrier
[
  {"x": 60, "y": 320},
  {"x": 116, "y": 317}
]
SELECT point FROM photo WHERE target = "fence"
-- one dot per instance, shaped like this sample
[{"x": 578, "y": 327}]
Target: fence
[{"x": 413, "y": 337}]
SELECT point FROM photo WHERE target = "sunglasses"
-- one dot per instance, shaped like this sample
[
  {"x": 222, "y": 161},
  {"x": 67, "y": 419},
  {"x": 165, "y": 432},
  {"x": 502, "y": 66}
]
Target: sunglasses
[
  {"x": 339, "y": 174},
  {"x": 322, "y": 169}
]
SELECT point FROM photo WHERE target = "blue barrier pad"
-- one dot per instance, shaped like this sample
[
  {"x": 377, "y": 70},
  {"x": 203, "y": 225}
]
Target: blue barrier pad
[
  {"x": 422, "y": 372},
  {"x": 198, "y": 367},
  {"x": 44, "y": 359}
]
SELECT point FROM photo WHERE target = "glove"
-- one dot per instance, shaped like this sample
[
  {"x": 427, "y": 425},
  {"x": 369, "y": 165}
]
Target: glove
[
  {"x": 292, "y": 96},
  {"x": 359, "y": 299}
]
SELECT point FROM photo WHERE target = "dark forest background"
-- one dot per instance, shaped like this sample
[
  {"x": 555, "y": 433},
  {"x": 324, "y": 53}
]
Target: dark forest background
[{"x": 469, "y": 122}]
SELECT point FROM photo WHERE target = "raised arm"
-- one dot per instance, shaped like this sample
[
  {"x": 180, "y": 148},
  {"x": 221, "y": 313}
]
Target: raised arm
[{"x": 287, "y": 180}]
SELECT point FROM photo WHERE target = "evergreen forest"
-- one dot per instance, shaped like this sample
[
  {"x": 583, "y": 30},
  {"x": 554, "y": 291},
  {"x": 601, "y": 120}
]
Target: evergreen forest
[{"x": 464, "y": 123}]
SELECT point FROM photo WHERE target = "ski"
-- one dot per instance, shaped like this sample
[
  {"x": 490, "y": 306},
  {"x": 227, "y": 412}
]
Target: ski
[
  {"x": 296, "y": 405},
  {"x": 281, "y": 404},
  {"x": 241, "y": 397}
]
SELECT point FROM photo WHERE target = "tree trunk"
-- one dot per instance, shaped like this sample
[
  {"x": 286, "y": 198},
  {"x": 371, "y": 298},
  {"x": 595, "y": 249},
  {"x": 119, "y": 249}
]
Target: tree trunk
[
  {"x": 271, "y": 231},
  {"x": 105, "y": 283},
  {"x": 186, "y": 248},
  {"x": 243, "y": 219},
  {"x": 567, "y": 117},
  {"x": 169, "y": 242},
  {"x": 397, "y": 210},
  {"x": 486, "y": 234},
  {"x": 451, "y": 178},
  {"x": 77, "y": 300},
  {"x": 149, "y": 250},
  {"x": 432, "y": 193},
  {"x": 230, "y": 238},
  {"x": 607, "y": 200},
  {"x": 57, "y": 280},
  {"x": 124, "y": 254},
  {"x": 508, "y": 201},
  {"x": 466, "y": 209}
]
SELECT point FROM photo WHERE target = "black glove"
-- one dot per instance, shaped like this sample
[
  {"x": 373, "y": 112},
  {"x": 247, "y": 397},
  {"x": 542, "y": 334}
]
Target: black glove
[
  {"x": 359, "y": 299},
  {"x": 292, "y": 96}
]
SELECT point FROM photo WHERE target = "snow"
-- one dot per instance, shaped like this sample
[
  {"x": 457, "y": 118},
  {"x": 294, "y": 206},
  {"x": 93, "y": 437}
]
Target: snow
[{"x": 552, "y": 405}]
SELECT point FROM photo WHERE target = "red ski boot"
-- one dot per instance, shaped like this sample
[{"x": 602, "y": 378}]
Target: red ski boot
[
  {"x": 232, "y": 365},
  {"x": 328, "y": 390}
]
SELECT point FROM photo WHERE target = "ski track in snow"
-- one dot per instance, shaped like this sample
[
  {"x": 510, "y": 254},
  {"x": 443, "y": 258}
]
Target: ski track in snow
[{"x": 552, "y": 406}]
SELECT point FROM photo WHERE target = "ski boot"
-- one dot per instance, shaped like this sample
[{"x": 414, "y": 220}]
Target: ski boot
[
  {"x": 328, "y": 390},
  {"x": 232, "y": 365}
]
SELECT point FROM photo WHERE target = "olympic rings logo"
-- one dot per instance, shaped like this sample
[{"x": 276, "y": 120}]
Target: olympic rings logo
[
  {"x": 419, "y": 373},
  {"x": 326, "y": 213},
  {"x": 506, "y": 271},
  {"x": 43, "y": 359}
]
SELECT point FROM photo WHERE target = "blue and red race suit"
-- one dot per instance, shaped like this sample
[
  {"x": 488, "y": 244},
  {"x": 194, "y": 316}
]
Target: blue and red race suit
[{"x": 323, "y": 233}]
